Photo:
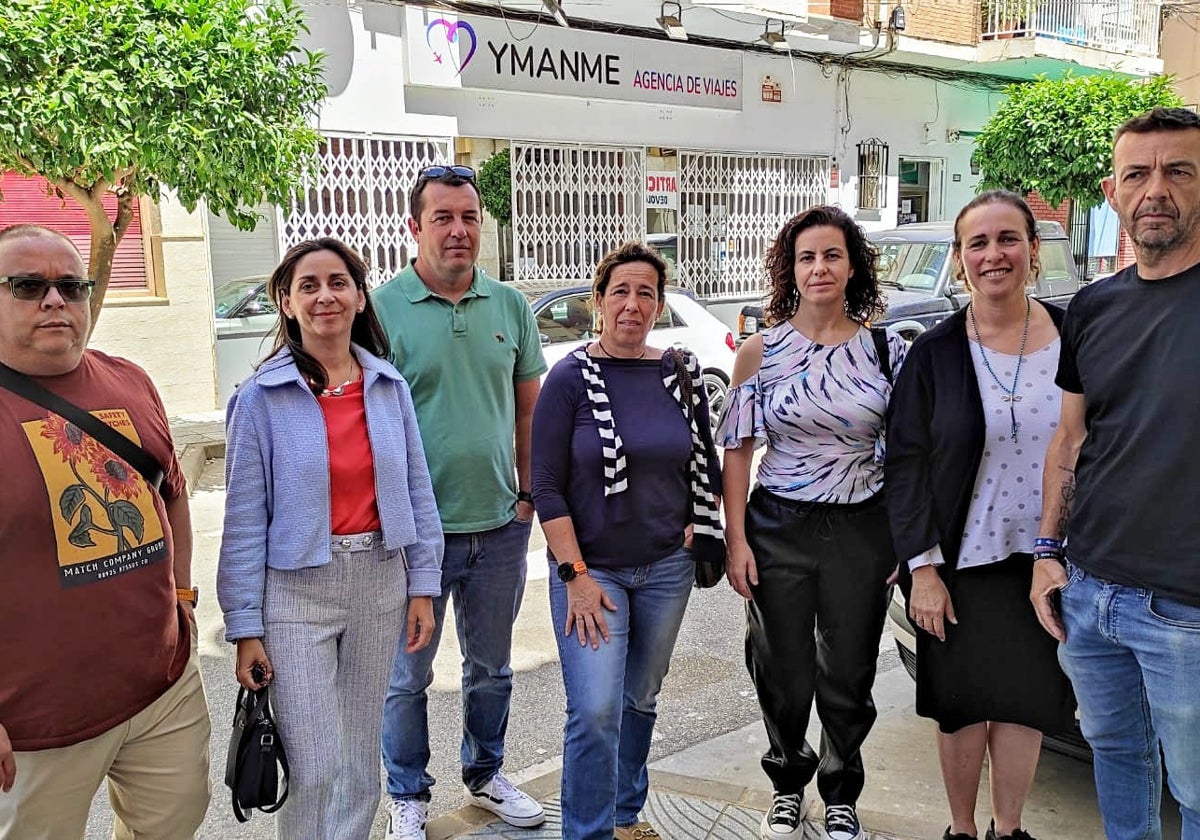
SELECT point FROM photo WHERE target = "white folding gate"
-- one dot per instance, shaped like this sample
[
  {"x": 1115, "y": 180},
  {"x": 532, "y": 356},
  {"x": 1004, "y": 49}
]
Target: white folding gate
[
  {"x": 572, "y": 205},
  {"x": 731, "y": 206},
  {"x": 361, "y": 198}
]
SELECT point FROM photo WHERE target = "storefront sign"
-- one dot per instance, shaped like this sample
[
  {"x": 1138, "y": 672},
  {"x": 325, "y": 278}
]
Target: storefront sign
[
  {"x": 662, "y": 191},
  {"x": 483, "y": 53},
  {"x": 772, "y": 91}
]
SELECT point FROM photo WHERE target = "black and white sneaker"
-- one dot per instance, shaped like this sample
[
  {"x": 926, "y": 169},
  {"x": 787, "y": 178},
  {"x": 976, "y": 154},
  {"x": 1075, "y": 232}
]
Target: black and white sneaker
[
  {"x": 841, "y": 823},
  {"x": 505, "y": 800},
  {"x": 786, "y": 817}
]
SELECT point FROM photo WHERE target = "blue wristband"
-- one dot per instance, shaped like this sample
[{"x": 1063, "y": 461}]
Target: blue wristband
[{"x": 1047, "y": 542}]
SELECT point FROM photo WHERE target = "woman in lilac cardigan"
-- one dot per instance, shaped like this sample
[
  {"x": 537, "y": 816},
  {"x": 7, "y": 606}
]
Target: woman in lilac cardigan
[{"x": 332, "y": 547}]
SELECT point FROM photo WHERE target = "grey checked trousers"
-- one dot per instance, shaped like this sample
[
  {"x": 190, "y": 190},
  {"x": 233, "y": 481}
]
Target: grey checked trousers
[{"x": 332, "y": 633}]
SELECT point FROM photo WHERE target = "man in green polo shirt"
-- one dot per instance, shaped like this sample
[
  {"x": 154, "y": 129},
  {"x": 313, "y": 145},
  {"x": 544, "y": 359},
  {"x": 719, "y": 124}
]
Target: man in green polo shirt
[{"x": 470, "y": 350}]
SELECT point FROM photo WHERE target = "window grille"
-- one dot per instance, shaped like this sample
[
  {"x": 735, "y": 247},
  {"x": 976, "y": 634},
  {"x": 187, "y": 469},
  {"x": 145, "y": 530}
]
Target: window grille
[
  {"x": 731, "y": 206},
  {"x": 361, "y": 198},
  {"x": 572, "y": 205},
  {"x": 872, "y": 174}
]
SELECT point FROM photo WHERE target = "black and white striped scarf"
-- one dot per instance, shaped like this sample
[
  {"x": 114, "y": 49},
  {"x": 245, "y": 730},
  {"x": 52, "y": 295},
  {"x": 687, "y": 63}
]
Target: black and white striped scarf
[{"x": 705, "y": 518}]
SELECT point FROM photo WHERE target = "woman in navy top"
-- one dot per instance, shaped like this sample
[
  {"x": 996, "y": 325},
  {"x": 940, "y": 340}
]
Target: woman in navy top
[{"x": 620, "y": 437}]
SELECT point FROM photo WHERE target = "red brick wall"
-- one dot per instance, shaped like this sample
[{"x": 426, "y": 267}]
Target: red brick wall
[
  {"x": 851, "y": 10},
  {"x": 949, "y": 21},
  {"x": 1042, "y": 210},
  {"x": 1125, "y": 254}
]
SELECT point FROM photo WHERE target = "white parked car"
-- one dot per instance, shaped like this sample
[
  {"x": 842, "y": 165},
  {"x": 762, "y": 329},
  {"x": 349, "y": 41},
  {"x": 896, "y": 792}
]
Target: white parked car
[
  {"x": 245, "y": 315},
  {"x": 565, "y": 320}
]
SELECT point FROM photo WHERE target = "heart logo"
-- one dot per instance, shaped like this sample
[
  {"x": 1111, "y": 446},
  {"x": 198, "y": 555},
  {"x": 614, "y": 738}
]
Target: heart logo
[{"x": 449, "y": 31}]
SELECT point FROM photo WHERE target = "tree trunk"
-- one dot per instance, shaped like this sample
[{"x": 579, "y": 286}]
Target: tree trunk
[{"x": 100, "y": 253}]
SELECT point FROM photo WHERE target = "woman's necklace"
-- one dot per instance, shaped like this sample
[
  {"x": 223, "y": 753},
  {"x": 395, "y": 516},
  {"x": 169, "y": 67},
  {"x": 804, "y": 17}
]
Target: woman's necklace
[
  {"x": 339, "y": 390},
  {"x": 604, "y": 350},
  {"x": 1010, "y": 394}
]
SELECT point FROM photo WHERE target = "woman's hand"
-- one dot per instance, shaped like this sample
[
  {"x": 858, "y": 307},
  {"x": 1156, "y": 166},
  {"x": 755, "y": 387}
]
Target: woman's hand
[
  {"x": 585, "y": 616},
  {"x": 688, "y": 536},
  {"x": 929, "y": 603},
  {"x": 420, "y": 624},
  {"x": 250, "y": 652},
  {"x": 741, "y": 568}
]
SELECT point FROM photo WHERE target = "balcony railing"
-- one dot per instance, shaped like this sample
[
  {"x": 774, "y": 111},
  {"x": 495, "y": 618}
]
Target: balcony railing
[{"x": 1119, "y": 26}]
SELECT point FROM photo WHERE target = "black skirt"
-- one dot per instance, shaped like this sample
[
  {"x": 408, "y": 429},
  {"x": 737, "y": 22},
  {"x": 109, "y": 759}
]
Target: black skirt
[{"x": 997, "y": 663}]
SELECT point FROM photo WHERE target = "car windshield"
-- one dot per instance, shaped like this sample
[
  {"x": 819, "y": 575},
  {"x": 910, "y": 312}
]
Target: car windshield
[
  {"x": 911, "y": 265},
  {"x": 229, "y": 295}
]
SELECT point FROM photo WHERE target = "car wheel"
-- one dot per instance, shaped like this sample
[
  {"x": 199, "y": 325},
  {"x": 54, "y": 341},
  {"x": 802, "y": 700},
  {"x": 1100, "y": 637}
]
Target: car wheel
[{"x": 716, "y": 389}]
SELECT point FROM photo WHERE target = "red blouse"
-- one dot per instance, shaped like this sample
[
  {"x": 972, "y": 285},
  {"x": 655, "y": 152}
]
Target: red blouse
[{"x": 353, "y": 507}]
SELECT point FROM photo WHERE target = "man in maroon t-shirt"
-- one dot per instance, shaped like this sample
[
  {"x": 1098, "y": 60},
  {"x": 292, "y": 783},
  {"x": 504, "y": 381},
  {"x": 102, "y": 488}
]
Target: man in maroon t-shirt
[{"x": 98, "y": 667}]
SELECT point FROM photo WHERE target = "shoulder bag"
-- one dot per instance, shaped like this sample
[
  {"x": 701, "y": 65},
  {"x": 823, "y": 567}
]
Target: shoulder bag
[{"x": 256, "y": 761}]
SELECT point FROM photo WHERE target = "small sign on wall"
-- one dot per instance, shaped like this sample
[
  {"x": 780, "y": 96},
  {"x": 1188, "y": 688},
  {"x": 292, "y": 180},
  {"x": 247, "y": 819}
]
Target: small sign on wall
[
  {"x": 772, "y": 91},
  {"x": 662, "y": 191}
]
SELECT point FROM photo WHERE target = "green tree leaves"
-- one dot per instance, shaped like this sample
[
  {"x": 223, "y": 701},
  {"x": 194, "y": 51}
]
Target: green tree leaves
[
  {"x": 495, "y": 186},
  {"x": 1054, "y": 136},
  {"x": 209, "y": 98}
]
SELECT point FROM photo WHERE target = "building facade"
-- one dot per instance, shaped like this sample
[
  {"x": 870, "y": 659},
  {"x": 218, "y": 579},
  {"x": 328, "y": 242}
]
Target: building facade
[{"x": 704, "y": 146}]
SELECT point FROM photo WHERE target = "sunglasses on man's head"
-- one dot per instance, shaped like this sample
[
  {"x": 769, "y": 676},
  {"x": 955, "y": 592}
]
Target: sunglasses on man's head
[
  {"x": 72, "y": 289},
  {"x": 439, "y": 171}
]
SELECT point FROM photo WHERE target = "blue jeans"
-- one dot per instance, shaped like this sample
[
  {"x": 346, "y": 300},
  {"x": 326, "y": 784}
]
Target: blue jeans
[
  {"x": 612, "y": 693},
  {"x": 1134, "y": 659},
  {"x": 485, "y": 574}
]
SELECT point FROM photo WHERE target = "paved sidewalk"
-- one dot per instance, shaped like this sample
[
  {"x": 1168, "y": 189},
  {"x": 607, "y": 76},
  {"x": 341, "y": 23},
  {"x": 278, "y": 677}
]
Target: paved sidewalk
[
  {"x": 679, "y": 807},
  {"x": 198, "y": 437}
]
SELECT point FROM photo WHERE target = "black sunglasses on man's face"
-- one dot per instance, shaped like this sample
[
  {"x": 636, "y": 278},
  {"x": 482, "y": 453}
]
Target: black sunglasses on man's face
[{"x": 430, "y": 173}]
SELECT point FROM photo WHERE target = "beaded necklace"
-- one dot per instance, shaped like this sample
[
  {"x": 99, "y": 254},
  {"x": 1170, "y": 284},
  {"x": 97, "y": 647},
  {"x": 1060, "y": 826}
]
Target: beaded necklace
[{"x": 1010, "y": 394}]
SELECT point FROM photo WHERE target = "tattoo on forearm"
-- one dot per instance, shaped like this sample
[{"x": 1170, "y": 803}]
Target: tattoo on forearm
[{"x": 1068, "y": 500}]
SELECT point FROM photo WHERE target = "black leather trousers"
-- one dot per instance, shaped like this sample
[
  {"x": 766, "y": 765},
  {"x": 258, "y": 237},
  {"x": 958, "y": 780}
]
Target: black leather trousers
[{"x": 813, "y": 630}]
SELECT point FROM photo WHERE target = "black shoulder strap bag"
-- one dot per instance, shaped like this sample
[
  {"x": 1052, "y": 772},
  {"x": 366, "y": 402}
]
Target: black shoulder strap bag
[
  {"x": 879, "y": 336},
  {"x": 256, "y": 759},
  {"x": 130, "y": 452}
]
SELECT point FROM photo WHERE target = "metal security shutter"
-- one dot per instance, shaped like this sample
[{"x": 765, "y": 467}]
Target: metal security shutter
[
  {"x": 361, "y": 198},
  {"x": 243, "y": 253},
  {"x": 572, "y": 205},
  {"x": 26, "y": 202},
  {"x": 731, "y": 206}
]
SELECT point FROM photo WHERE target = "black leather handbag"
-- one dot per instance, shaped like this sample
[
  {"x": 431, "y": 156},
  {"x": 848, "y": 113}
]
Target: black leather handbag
[{"x": 256, "y": 763}]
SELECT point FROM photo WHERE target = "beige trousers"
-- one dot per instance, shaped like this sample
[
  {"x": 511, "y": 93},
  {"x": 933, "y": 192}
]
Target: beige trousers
[{"x": 156, "y": 764}]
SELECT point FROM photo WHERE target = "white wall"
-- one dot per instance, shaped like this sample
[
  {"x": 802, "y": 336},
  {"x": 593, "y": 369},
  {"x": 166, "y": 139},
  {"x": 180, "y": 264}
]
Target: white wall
[
  {"x": 367, "y": 74},
  {"x": 172, "y": 337}
]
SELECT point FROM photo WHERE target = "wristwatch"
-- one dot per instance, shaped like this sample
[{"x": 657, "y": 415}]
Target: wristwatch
[
  {"x": 524, "y": 496},
  {"x": 567, "y": 572},
  {"x": 192, "y": 596}
]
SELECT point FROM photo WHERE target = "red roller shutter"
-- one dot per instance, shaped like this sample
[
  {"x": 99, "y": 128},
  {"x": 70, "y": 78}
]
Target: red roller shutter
[{"x": 25, "y": 202}]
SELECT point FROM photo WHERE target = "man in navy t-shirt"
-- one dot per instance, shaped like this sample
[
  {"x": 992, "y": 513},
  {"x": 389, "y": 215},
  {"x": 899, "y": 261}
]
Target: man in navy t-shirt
[{"x": 1121, "y": 485}]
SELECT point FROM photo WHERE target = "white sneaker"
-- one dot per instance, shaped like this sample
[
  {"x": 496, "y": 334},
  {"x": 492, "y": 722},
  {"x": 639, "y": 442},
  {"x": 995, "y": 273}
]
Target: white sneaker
[
  {"x": 515, "y": 807},
  {"x": 786, "y": 817},
  {"x": 406, "y": 819}
]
